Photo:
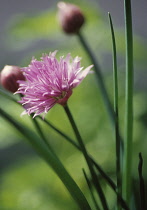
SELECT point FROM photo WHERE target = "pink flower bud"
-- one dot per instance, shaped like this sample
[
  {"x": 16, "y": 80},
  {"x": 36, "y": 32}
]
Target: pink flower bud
[
  {"x": 9, "y": 76},
  {"x": 70, "y": 17}
]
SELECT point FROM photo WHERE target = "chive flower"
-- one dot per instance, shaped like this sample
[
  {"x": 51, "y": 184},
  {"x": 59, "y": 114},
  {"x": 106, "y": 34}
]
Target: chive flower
[
  {"x": 70, "y": 17},
  {"x": 9, "y": 76},
  {"x": 49, "y": 82}
]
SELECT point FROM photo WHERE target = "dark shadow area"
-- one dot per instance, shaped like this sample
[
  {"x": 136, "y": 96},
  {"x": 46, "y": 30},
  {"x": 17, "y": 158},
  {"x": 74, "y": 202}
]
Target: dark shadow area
[{"x": 13, "y": 153}]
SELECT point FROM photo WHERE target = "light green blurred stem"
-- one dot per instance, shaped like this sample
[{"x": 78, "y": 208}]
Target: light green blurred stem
[
  {"x": 7, "y": 95},
  {"x": 100, "y": 80},
  {"x": 99, "y": 76},
  {"x": 40, "y": 132},
  {"x": 50, "y": 157},
  {"x": 127, "y": 178},
  {"x": 117, "y": 137}
]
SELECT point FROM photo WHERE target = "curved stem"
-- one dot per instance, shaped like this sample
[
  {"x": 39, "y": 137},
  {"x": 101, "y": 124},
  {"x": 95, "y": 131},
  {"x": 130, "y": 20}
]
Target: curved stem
[{"x": 7, "y": 95}]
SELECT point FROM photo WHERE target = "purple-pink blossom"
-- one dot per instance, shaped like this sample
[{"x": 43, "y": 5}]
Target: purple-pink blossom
[{"x": 49, "y": 81}]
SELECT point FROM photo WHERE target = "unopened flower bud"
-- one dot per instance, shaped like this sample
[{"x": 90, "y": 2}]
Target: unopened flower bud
[
  {"x": 9, "y": 76},
  {"x": 70, "y": 17}
]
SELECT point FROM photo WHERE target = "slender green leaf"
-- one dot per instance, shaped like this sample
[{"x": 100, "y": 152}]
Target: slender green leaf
[
  {"x": 49, "y": 156},
  {"x": 127, "y": 179},
  {"x": 117, "y": 137}
]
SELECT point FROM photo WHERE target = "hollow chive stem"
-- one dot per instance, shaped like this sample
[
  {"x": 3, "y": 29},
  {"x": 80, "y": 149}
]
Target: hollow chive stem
[
  {"x": 141, "y": 184},
  {"x": 91, "y": 191},
  {"x": 100, "y": 81},
  {"x": 127, "y": 178},
  {"x": 117, "y": 136},
  {"x": 99, "y": 76},
  {"x": 96, "y": 165},
  {"x": 87, "y": 158}
]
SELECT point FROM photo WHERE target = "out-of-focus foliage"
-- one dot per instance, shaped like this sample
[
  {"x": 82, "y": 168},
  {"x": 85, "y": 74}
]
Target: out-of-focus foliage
[{"x": 28, "y": 29}]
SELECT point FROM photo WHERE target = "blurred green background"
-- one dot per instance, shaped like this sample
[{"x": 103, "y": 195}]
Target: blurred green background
[{"x": 26, "y": 181}]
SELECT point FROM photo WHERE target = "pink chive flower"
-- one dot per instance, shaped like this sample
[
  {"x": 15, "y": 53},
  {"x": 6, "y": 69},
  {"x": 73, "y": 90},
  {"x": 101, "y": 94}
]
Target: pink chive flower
[{"x": 49, "y": 82}]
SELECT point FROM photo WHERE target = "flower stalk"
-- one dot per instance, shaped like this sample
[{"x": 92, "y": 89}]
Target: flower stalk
[
  {"x": 87, "y": 158},
  {"x": 99, "y": 76}
]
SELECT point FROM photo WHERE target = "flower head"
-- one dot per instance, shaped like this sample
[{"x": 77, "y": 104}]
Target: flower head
[
  {"x": 70, "y": 17},
  {"x": 49, "y": 81},
  {"x": 9, "y": 76}
]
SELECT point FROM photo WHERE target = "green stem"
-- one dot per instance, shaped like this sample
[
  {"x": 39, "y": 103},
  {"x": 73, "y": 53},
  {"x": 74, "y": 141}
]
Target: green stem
[
  {"x": 90, "y": 189},
  {"x": 51, "y": 159},
  {"x": 99, "y": 169},
  {"x": 7, "y": 95},
  {"x": 117, "y": 137},
  {"x": 100, "y": 81},
  {"x": 141, "y": 184},
  {"x": 60, "y": 132},
  {"x": 127, "y": 179},
  {"x": 39, "y": 130},
  {"x": 87, "y": 158},
  {"x": 99, "y": 77}
]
